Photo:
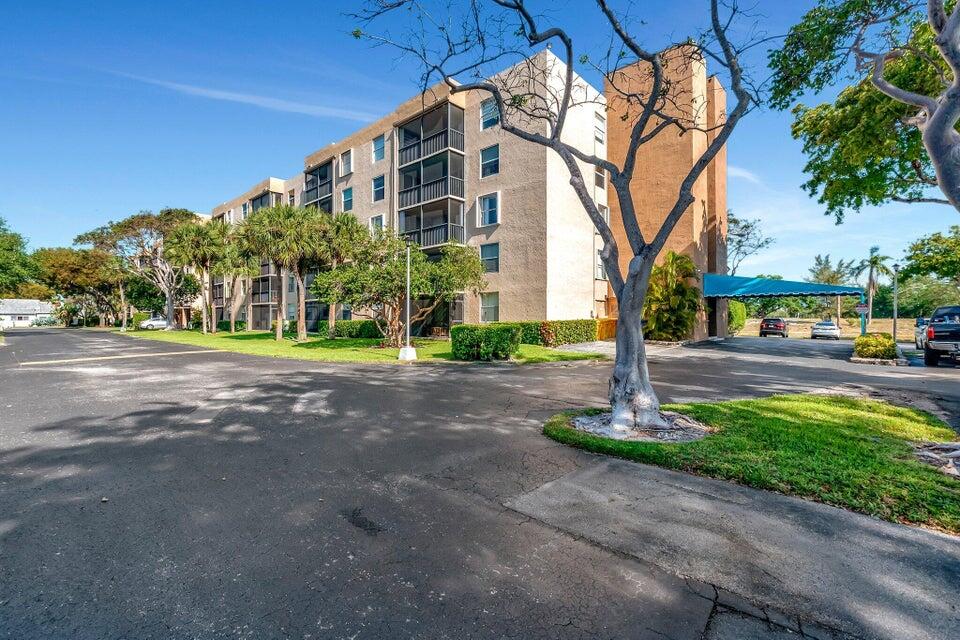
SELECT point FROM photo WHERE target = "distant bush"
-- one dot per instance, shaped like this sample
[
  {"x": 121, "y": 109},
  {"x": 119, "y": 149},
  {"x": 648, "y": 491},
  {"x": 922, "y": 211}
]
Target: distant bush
[
  {"x": 139, "y": 317},
  {"x": 485, "y": 341},
  {"x": 45, "y": 322},
  {"x": 224, "y": 325},
  {"x": 351, "y": 329},
  {"x": 875, "y": 345},
  {"x": 736, "y": 316}
]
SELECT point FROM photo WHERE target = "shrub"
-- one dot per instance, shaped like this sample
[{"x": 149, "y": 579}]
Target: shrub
[
  {"x": 736, "y": 316},
  {"x": 570, "y": 331},
  {"x": 45, "y": 322},
  {"x": 672, "y": 302},
  {"x": 529, "y": 331},
  {"x": 351, "y": 329},
  {"x": 139, "y": 317},
  {"x": 485, "y": 341},
  {"x": 875, "y": 345},
  {"x": 224, "y": 325}
]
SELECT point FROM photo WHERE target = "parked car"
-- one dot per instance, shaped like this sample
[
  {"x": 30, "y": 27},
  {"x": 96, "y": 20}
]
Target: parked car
[
  {"x": 774, "y": 327},
  {"x": 920, "y": 332},
  {"x": 154, "y": 323},
  {"x": 825, "y": 329},
  {"x": 943, "y": 336}
]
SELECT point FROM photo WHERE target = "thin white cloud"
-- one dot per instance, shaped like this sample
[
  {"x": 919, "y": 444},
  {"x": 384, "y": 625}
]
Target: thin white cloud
[
  {"x": 739, "y": 172},
  {"x": 263, "y": 102}
]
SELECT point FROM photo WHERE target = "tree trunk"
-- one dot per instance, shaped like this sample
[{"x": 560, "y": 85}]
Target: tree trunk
[
  {"x": 171, "y": 319},
  {"x": 123, "y": 309},
  {"x": 632, "y": 399},
  {"x": 204, "y": 297},
  {"x": 213, "y": 309},
  {"x": 281, "y": 312},
  {"x": 838, "y": 311},
  {"x": 332, "y": 312},
  {"x": 301, "y": 305}
]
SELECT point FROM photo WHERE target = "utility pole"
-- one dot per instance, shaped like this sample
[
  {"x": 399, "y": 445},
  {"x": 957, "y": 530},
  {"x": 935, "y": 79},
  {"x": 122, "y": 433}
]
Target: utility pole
[
  {"x": 408, "y": 352},
  {"x": 896, "y": 273}
]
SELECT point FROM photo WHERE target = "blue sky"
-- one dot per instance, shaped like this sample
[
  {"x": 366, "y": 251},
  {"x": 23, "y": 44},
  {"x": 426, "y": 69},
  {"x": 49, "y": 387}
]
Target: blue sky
[{"x": 114, "y": 107}]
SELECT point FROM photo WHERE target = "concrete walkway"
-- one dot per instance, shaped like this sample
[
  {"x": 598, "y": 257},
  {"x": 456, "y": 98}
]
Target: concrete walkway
[{"x": 805, "y": 559}]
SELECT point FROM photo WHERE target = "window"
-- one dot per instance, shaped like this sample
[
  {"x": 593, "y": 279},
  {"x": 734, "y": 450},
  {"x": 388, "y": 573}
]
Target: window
[
  {"x": 490, "y": 256},
  {"x": 291, "y": 197},
  {"x": 601, "y": 271},
  {"x": 291, "y": 283},
  {"x": 490, "y": 161},
  {"x": 378, "y": 146},
  {"x": 379, "y": 191},
  {"x": 261, "y": 202},
  {"x": 489, "y": 207},
  {"x": 376, "y": 223},
  {"x": 277, "y": 199},
  {"x": 348, "y": 199},
  {"x": 490, "y": 307},
  {"x": 243, "y": 211},
  {"x": 605, "y": 212},
  {"x": 599, "y": 178},
  {"x": 600, "y": 128},
  {"x": 346, "y": 163},
  {"x": 489, "y": 113}
]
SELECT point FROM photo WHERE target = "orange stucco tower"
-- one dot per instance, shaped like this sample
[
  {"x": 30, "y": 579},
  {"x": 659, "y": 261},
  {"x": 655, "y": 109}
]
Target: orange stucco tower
[{"x": 663, "y": 163}]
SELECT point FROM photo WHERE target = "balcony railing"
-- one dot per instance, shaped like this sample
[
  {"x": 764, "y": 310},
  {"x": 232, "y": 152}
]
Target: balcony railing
[
  {"x": 448, "y": 138},
  {"x": 436, "y": 235},
  {"x": 446, "y": 186}
]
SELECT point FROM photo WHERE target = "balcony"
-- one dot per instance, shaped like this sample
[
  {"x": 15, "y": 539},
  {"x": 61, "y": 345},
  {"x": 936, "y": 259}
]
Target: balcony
[
  {"x": 437, "y": 235},
  {"x": 317, "y": 192},
  {"x": 446, "y": 186},
  {"x": 448, "y": 138}
]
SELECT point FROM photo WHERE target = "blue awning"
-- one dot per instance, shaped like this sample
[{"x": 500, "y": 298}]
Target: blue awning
[{"x": 720, "y": 286}]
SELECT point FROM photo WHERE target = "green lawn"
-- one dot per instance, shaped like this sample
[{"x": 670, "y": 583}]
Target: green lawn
[
  {"x": 262, "y": 343},
  {"x": 846, "y": 452}
]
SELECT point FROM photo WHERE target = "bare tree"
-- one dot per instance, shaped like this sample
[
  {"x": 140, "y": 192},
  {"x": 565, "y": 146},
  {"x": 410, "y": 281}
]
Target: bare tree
[{"x": 535, "y": 98}]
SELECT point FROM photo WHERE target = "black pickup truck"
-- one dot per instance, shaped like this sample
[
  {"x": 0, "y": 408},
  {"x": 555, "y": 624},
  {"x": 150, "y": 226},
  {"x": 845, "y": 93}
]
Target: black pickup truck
[{"x": 943, "y": 336}]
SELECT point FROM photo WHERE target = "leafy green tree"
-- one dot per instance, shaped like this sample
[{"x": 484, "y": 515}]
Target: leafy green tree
[
  {"x": 374, "y": 282},
  {"x": 918, "y": 296},
  {"x": 292, "y": 238},
  {"x": 200, "y": 245},
  {"x": 937, "y": 254},
  {"x": 31, "y": 291},
  {"x": 344, "y": 235},
  {"x": 744, "y": 239},
  {"x": 16, "y": 268},
  {"x": 874, "y": 265},
  {"x": 145, "y": 296},
  {"x": 672, "y": 301},
  {"x": 892, "y": 134},
  {"x": 80, "y": 274}
]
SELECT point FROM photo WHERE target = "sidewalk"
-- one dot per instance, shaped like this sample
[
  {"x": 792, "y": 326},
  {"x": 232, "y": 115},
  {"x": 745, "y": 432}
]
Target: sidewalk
[{"x": 811, "y": 561}]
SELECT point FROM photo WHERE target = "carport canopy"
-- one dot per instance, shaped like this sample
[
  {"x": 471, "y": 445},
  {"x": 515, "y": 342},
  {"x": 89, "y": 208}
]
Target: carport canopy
[{"x": 720, "y": 286}]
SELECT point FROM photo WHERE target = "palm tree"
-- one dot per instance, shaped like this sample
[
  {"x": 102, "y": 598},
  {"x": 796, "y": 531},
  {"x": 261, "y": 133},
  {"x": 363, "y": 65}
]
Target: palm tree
[
  {"x": 235, "y": 267},
  {"x": 292, "y": 238},
  {"x": 875, "y": 266},
  {"x": 344, "y": 234},
  {"x": 199, "y": 245}
]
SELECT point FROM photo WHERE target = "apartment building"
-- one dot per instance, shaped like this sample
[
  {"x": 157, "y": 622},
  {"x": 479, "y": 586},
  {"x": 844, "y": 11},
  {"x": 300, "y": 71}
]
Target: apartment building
[{"x": 439, "y": 169}]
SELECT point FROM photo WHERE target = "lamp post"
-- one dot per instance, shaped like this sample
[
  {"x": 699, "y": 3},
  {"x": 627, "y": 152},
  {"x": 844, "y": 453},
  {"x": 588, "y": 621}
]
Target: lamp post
[
  {"x": 408, "y": 352},
  {"x": 896, "y": 273}
]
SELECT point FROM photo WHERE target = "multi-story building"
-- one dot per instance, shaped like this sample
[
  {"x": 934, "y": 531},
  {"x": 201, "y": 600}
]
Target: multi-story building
[{"x": 439, "y": 169}]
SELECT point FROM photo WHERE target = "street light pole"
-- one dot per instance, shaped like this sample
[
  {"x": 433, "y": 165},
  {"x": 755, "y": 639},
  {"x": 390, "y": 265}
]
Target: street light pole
[
  {"x": 408, "y": 352},
  {"x": 896, "y": 273}
]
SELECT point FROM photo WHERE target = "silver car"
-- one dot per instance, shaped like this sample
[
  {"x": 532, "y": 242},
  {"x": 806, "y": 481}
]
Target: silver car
[
  {"x": 826, "y": 329},
  {"x": 154, "y": 323}
]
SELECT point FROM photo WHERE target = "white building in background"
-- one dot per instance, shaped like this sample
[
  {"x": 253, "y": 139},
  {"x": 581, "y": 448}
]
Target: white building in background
[{"x": 17, "y": 312}]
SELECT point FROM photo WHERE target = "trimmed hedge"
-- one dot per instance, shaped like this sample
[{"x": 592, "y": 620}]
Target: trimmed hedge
[
  {"x": 496, "y": 341},
  {"x": 875, "y": 345},
  {"x": 553, "y": 333},
  {"x": 224, "y": 325},
  {"x": 351, "y": 329},
  {"x": 736, "y": 316}
]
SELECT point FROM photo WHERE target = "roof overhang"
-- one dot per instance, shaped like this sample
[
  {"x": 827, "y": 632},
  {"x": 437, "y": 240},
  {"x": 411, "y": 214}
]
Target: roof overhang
[{"x": 716, "y": 285}]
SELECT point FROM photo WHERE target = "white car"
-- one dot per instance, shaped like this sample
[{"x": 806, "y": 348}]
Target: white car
[
  {"x": 154, "y": 323},
  {"x": 826, "y": 329}
]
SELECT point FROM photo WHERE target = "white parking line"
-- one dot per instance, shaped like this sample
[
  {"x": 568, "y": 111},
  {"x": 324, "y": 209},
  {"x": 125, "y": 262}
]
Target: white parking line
[{"x": 123, "y": 357}]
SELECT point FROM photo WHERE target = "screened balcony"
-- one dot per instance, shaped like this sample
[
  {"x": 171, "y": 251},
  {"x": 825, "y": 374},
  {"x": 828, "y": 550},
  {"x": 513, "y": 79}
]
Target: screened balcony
[
  {"x": 318, "y": 186},
  {"x": 436, "y": 130},
  {"x": 440, "y": 176},
  {"x": 433, "y": 224}
]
